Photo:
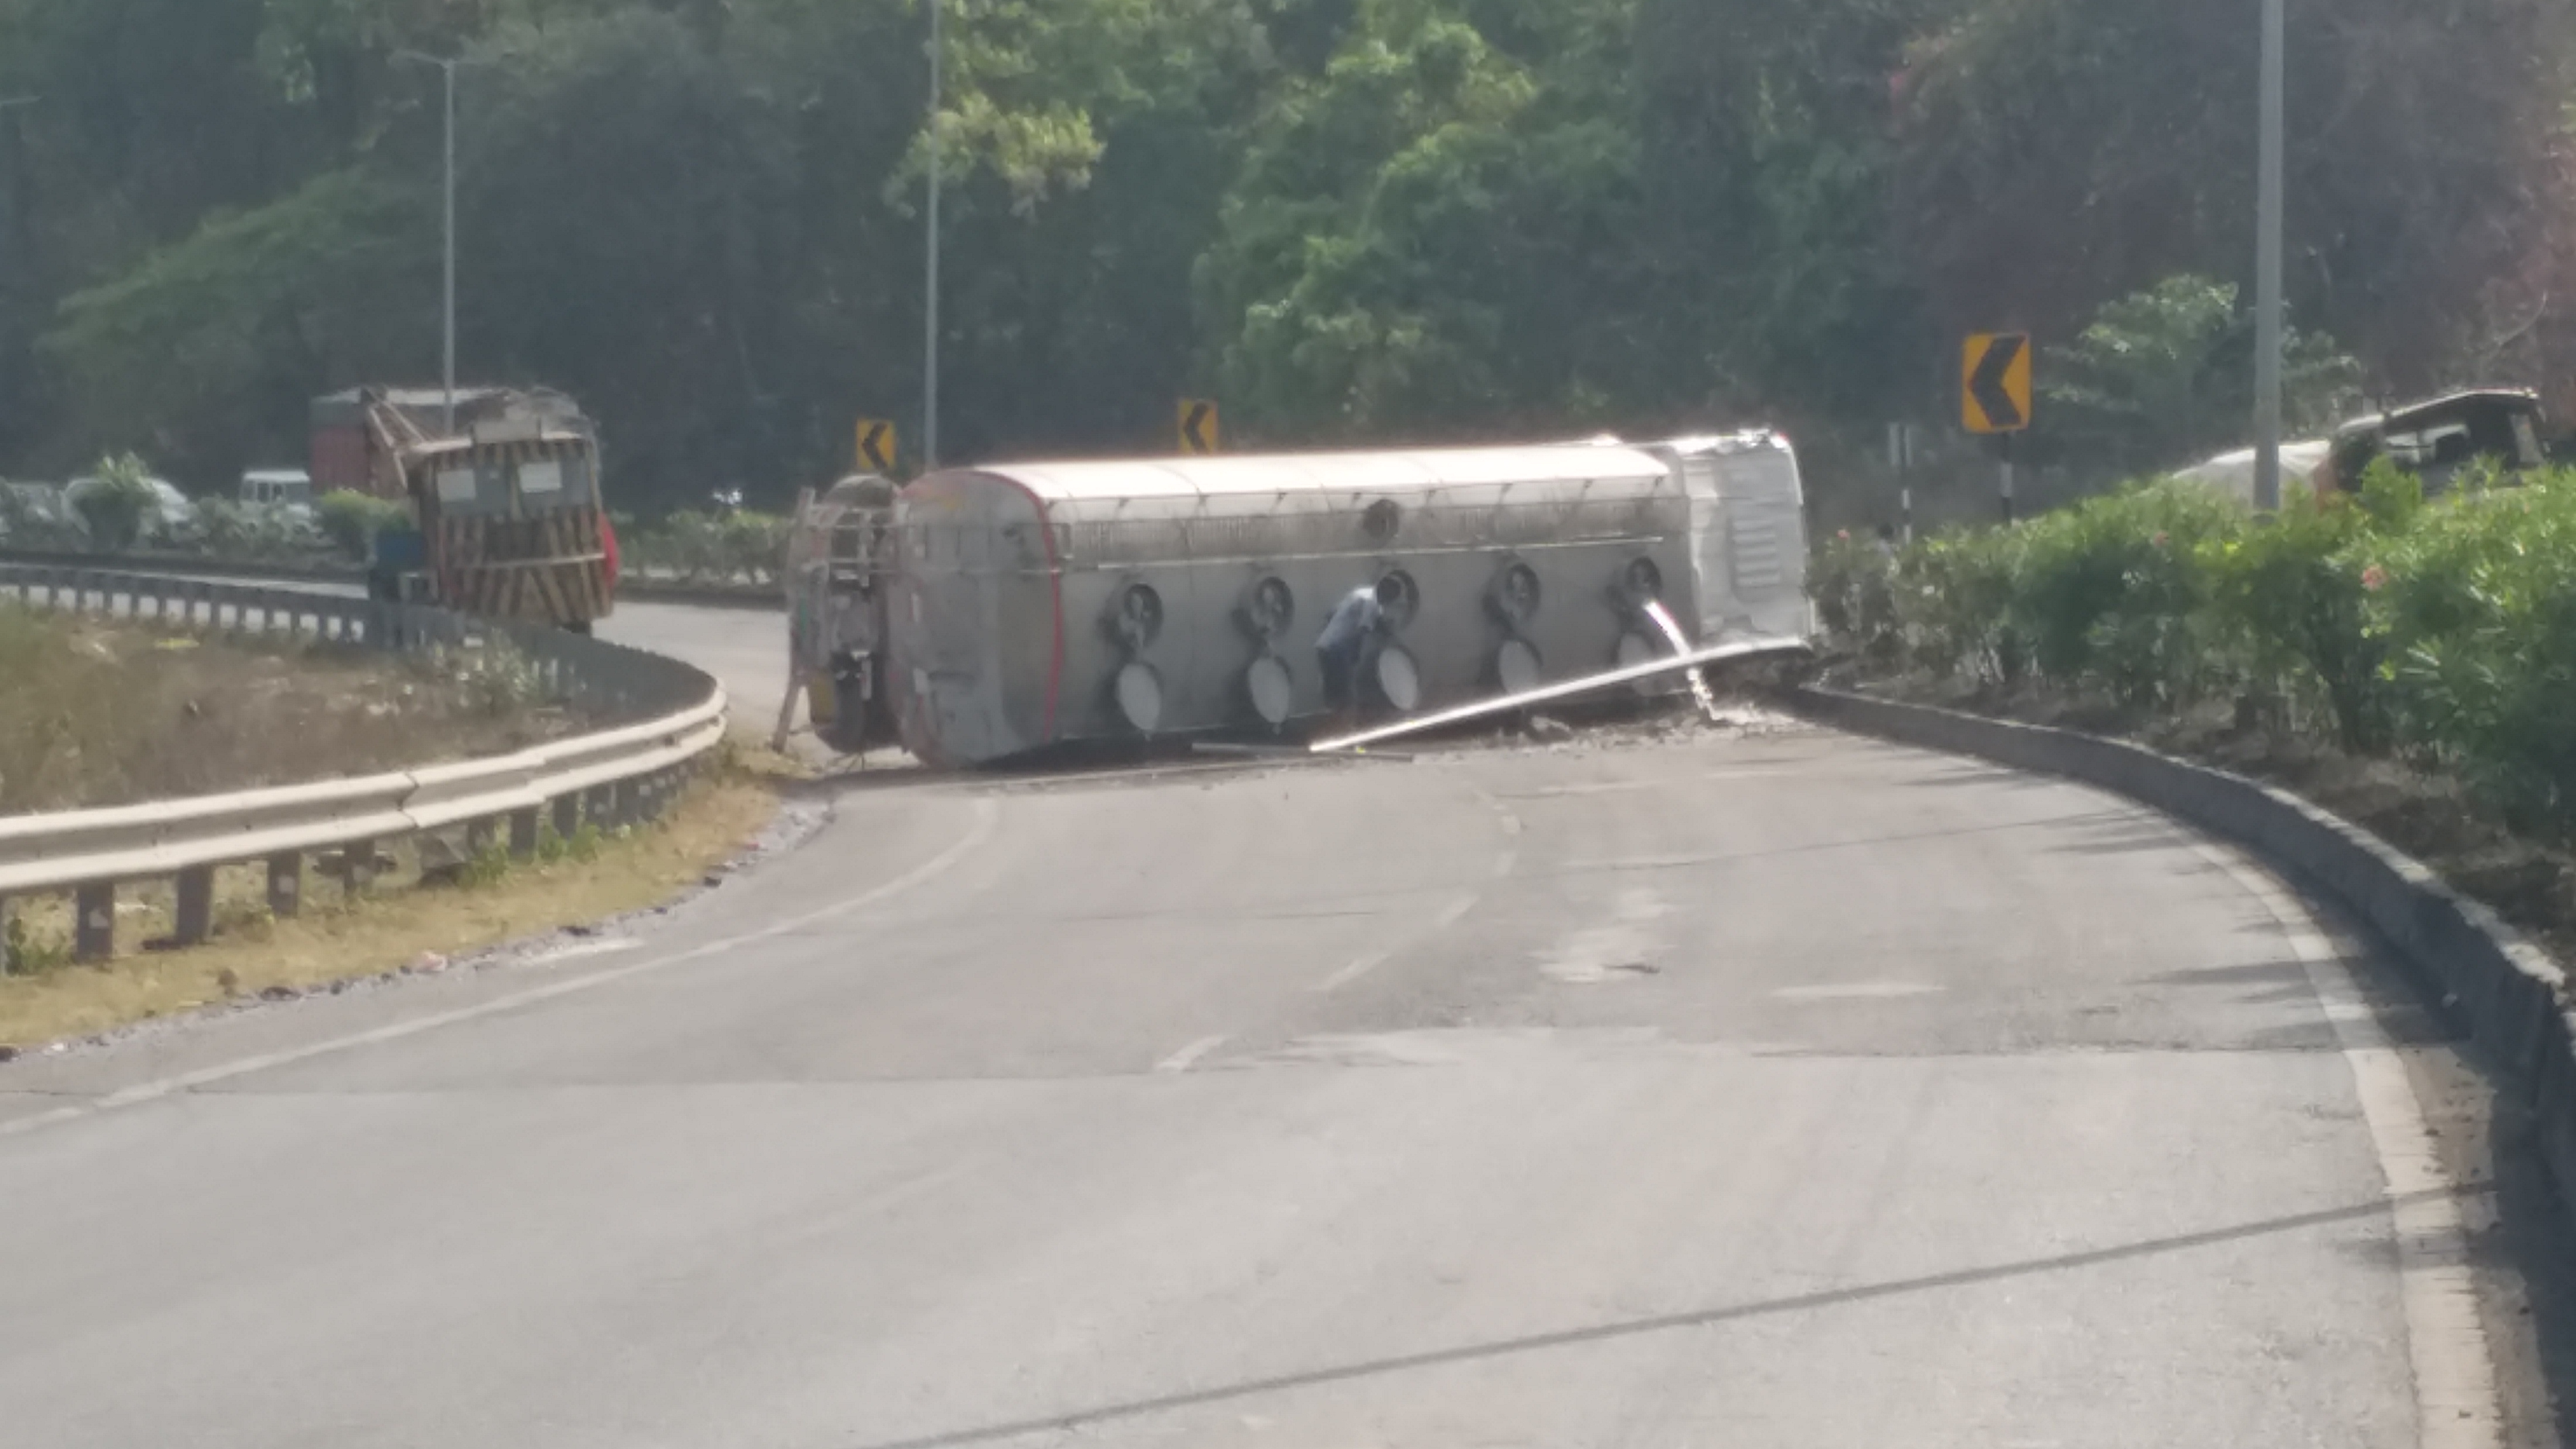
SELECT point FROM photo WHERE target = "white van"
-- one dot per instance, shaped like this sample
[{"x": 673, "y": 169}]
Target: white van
[{"x": 277, "y": 487}]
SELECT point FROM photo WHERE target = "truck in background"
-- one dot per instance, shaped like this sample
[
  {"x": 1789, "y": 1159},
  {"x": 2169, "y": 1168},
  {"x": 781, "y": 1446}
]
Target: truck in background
[{"x": 506, "y": 519}]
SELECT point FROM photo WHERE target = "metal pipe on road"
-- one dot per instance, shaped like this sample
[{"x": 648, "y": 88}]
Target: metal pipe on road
[{"x": 1570, "y": 689}]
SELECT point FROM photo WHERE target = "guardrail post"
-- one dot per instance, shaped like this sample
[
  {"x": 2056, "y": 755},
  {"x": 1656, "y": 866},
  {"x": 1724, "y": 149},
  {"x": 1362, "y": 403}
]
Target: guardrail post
[
  {"x": 286, "y": 884},
  {"x": 357, "y": 867},
  {"x": 7, "y": 918},
  {"x": 94, "y": 932},
  {"x": 567, "y": 816},
  {"x": 196, "y": 913},
  {"x": 523, "y": 834}
]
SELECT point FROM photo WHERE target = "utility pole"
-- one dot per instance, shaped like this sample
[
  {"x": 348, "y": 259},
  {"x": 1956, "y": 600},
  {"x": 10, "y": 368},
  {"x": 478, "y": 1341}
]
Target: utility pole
[
  {"x": 447, "y": 328},
  {"x": 18, "y": 175},
  {"x": 2267, "y": 264},
  {"x": 930, "y": 325},
  {"x": 17, "y": 248}
]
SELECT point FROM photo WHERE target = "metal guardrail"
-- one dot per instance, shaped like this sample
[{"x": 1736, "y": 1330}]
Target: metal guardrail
[
  {"x": 665, "y": 718},
  {"x": 644, "y": 585}
]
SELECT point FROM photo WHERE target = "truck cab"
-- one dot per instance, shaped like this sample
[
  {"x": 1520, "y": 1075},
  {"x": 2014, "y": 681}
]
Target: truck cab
[{"x": 2443, "y": 438}]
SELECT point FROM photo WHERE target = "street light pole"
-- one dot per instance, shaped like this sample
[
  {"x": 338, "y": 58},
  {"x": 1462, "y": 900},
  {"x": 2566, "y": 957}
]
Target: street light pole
[
  {"x": 17, "y": 248},
  {"x": 930, "y": 325},
  {"x": 2267, "y": 264},
  {"x": 447, "y": 326},
  {"x": 17, "y": 168}
]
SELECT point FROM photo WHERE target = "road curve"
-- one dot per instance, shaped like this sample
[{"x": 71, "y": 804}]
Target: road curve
[{"x": 1783, "y": 1091}]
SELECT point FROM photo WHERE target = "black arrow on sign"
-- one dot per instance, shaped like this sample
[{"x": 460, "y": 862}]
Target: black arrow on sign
[
  {"x": 1194, "y": 431},
  {"x": 874, "y": 446},
  {"x": 1987, "y": 383}
]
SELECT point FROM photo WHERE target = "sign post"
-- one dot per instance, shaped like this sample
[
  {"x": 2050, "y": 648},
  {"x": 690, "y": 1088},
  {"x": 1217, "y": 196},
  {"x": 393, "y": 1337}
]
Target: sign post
[
  {"x": 1994, "y": 399},
  {"x": 1200, "y": 431}
]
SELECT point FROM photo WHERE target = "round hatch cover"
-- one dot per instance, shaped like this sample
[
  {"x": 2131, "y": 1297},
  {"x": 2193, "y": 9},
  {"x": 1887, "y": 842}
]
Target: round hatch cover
[
  {"x": 1140, "y": 697},
  {"x": 1516, "y": 664},
  {"x": 1399, "y": 680},
  {"x": 1273, "y": 691}
]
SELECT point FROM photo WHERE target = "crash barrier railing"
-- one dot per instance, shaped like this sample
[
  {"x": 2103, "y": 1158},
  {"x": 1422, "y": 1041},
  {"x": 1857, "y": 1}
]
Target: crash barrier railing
[
  {"x": 664, "y": 719},
  {"x": 635, "y": 581}
]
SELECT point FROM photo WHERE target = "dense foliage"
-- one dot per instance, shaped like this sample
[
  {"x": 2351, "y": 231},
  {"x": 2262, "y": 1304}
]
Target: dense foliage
[
  {"x": 2443, "y": 631},
  {"x": 1348, "y": 219}
]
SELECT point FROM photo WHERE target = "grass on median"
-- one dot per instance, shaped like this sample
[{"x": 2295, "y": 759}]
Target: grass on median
[
  {"x": 100, "y": 712},
  {"x": 393, "y": 923}
]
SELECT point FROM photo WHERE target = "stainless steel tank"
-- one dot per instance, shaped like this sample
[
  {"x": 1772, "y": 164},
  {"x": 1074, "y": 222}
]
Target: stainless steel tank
[{"x": 1037, "y": 604}]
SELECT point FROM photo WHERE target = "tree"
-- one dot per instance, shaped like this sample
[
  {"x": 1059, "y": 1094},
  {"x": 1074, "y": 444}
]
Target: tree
[
  {"x": 205, "y": 351},
  {"x": 1427, "y": 239},
  {"x": 2162, "y": 378},
  {"x": 2058, "y": 153}
]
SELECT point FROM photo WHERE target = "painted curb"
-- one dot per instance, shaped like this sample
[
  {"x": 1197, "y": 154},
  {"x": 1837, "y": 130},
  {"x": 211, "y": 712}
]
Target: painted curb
[{"x": 2504, "y": 989}]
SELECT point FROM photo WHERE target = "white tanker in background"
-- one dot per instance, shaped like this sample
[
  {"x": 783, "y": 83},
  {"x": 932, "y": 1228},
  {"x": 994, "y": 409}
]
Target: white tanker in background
[{"x": 985, "y": 613}]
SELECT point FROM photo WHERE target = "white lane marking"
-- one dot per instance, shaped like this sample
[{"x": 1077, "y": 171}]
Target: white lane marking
[
  {"x": 1355, "y": 971},
  {"x": 1450, "y": 915},
  {"x": 1504, "y": 863},
  {"x": 581, "y": 950},
  {"x": 1858, "y": 991},
  {"x": 1188, "y": 1056},
  {"x": 1644, "y": 862},
  {"x": 1635, "y": 787},
  {"x": 2457, "y": 1404},
  {"x": 987, "y": 813}
]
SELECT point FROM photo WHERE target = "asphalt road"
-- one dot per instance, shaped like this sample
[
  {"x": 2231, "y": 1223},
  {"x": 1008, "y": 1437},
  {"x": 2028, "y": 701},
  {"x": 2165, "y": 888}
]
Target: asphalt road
[
  {"x": 1776, "y": 1091},
  {"x": 745, "y": 649}
]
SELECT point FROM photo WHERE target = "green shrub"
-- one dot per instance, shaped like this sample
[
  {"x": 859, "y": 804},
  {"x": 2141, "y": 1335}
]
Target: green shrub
[
  {"x": 2443, "y": 628},
  {"x": 1854, "y": 582},
  {"x": 117, "y": 503},
  {"x": 2115, "y": 591},
  {"x": 1954, "y": 603},
  {"x": 352, "y": 520},
  {"x": 754, "y": 546},
  {"x": 2478, "y": 604},
  {"x": 2294, "y": 591},
  {"x": 254, "y": 533}
]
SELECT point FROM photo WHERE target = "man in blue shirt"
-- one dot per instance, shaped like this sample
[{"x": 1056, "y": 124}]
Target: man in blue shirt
[{"x": 1348, "y": 644}]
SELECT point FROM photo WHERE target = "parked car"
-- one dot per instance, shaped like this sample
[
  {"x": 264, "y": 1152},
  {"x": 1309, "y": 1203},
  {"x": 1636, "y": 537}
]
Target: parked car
[
  {"x": 2435, "y": 440},
  {"x": 33, "y": 515}
]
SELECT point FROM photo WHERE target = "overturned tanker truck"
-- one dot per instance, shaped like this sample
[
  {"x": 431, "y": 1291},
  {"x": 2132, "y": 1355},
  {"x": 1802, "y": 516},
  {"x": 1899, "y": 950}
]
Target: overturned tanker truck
[{"x": 985, "y": 613}]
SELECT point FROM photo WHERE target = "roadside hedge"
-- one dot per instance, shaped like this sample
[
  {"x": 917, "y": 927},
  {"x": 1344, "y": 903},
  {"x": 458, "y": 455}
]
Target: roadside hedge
[{"x": 2442, "y": 632}]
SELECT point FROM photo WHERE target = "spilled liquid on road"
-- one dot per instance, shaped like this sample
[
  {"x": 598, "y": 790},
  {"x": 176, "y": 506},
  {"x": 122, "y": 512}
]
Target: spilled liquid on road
[{"x": 1700, "y": 691}]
